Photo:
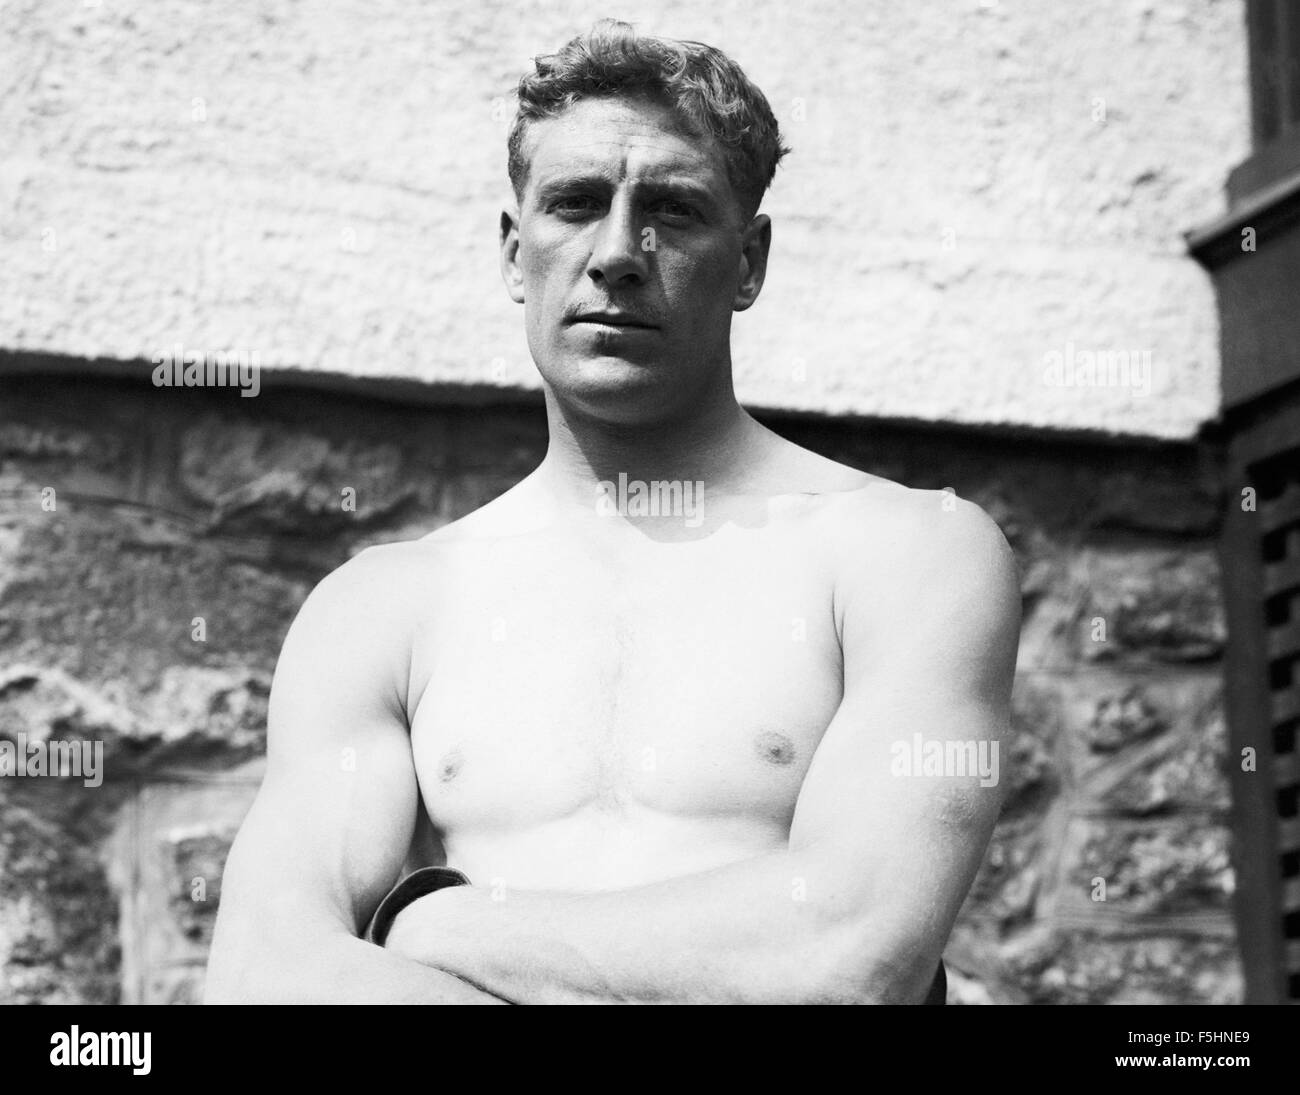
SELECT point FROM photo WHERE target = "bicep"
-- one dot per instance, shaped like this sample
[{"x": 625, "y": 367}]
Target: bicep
[
  {"x": 901, "y": 799},
  {"x": 906, "y": 784},
  {"x": 324, "y": 841},
  {"x": 332, "y": 822}
]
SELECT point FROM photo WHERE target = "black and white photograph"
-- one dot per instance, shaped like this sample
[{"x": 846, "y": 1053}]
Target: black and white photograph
[{"x": 676, "y": 503}]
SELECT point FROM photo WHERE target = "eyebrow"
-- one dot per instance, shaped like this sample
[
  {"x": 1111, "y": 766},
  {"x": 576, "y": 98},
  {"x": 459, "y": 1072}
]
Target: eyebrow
[
  {"x": 570, "y": 181},
  {"x": 663, "y": 184}
]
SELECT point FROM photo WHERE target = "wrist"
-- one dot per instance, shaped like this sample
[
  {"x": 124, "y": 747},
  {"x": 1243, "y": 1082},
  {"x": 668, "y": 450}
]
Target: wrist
[{"x": 426, "y": 929}]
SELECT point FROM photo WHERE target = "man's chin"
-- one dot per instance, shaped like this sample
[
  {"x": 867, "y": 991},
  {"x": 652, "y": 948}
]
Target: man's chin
[
  {"x": 615, "y": 388},
  {"x": 608, "y": 372}
]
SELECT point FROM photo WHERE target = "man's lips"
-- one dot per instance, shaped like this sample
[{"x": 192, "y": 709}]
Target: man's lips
[{"x": 613, "y": 319}]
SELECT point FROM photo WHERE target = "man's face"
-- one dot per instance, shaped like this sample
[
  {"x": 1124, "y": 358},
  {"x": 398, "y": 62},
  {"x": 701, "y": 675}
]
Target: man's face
[{"x": 630, "y": 251}]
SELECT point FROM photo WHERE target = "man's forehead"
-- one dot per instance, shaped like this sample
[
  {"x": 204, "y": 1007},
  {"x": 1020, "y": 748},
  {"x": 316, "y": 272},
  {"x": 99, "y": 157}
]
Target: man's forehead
[{"x": 617, "y": 137}]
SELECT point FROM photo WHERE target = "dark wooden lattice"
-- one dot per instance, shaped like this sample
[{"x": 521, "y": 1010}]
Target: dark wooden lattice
[{"x": 1262, "y": 572}]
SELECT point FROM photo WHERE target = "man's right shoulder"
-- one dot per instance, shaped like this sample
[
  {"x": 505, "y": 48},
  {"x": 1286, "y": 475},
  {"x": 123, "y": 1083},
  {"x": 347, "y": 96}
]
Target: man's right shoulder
[
  {"x": 354, "y": 631},
  {"x": 379, "y": 585}
]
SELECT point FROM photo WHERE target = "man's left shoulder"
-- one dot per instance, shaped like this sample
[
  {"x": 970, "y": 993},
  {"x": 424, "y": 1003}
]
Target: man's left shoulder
[
  {"x": 925, "y": 570},
  {"x": 911, "y": 538}
]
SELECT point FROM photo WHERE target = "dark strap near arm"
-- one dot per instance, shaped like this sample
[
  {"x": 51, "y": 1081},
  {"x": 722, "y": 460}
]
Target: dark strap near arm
[{"x": 415, "y": 885}]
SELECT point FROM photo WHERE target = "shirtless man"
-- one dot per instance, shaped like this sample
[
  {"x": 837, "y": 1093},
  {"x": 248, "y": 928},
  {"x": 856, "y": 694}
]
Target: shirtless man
[{"x": 663, "y": 749}]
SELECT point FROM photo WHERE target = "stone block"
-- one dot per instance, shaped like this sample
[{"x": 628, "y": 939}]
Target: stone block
[
  {"x": 1130, "y": 871},
  {"x": 1072, "y": 967},
  {"x": 250, "y": 477},
  {"x": 1033, "y": 770},
  {"x": 1159, "y": 606},
  {"x": 1006, "y": 888},
  {"x": 58, "y": 919},
  {"x": 196, "y": 717},
  {"x": 1133, "y": 606},
  {"x": 165, "y": 858}
]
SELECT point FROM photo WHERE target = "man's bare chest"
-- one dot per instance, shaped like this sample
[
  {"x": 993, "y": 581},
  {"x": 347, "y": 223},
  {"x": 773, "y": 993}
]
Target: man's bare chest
[{"x": 684, "y": 681}]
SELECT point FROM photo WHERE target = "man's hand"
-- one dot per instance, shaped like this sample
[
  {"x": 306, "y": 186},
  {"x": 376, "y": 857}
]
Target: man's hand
[{"x": 880, "y": 858}]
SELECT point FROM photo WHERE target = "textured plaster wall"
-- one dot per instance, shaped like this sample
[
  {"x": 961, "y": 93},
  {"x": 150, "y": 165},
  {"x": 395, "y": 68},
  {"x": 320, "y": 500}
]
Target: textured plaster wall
[{"x": 976, "y": 186}]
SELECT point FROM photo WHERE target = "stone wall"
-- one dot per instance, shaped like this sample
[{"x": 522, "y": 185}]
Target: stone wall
[{"x": 143, "y": 602}]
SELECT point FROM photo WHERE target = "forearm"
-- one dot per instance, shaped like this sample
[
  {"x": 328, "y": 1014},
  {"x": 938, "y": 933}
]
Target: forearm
[
  {"x": 334, "y": 968},
  {"x": 773, "y": 929}
]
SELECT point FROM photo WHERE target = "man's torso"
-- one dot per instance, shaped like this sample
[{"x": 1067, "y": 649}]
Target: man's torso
[{"x": 594, "y": 709}]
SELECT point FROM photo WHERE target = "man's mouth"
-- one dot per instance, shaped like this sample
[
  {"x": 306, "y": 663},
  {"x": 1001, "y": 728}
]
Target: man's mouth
[{"x": 613, "y": 319}]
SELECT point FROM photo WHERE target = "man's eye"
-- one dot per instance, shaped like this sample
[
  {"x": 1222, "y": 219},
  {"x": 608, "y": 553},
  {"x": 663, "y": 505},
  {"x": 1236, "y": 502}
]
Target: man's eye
[
  {"x": 675, "y": 210},
  {"x": 574, "y": 203}
]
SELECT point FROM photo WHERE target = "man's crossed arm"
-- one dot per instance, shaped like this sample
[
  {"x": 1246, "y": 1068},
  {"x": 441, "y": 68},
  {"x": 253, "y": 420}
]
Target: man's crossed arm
[
  {"x": 335, "y": 815},
  {"x": 882, "y": 850}
]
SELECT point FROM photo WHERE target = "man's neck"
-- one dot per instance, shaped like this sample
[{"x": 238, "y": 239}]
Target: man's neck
[{"x": 718, "y": 446}]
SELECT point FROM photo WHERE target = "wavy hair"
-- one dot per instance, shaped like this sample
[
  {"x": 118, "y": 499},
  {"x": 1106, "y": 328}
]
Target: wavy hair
[{"x": 704, "y": 87}]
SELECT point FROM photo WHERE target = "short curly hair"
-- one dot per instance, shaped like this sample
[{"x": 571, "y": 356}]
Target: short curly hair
[{"x": 704, "y": 87}]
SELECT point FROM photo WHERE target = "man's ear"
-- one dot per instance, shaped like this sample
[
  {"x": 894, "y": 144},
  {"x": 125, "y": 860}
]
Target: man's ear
[
  {"x": 511, "y": 274},
  {"x": 755, "y": 242}
]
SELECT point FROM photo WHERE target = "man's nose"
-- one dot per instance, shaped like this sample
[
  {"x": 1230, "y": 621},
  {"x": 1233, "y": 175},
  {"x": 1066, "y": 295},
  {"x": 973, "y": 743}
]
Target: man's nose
[{"x": 617, "y": 257}]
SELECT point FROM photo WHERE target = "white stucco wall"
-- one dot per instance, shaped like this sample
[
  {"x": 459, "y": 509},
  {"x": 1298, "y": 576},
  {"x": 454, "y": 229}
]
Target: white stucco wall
[{"x": 319, "y": 182}]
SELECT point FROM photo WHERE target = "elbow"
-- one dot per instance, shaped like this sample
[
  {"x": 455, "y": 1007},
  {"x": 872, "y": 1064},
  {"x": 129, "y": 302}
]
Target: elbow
[
  {"x": 230, "y": 980},
  {"x": 262, "y": 983},
  {"x": 246, "y": 989},
  {"x": 221, "y": 988},
  {"x": 855, "y": 966},
  {"x": 267, "y": 971},
  {"x": 224, "y": 994}
]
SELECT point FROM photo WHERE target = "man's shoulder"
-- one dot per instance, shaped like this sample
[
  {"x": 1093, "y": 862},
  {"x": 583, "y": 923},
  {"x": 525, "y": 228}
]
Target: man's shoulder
[
  {"x": 376, "y": 583},
  {"x": 516, "y": 511},
  {"x": 375, "y": 561},
  {"x": 916, "y": 539},
  {"x": 861, "y": 509},
  {"x": 885, "y": 508},
  {"x": 926, "y": 570}
]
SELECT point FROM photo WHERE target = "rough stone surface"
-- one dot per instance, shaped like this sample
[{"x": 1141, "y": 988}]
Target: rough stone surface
[
  {"x": 1092, "y": 968},
  {"x": 1116, "y": 768},
  {"x": 1186, "y": 770},
  {"x": 1007, "y": 887},
  {"x": 974, "y": 187},
  {"x": 198, "y": 858},
  {"x": 194, "y": 715},
  {"x": 59, "y": 933},
  {"x": 1162, "y": 605},
  {"x": 1121, "y": 601},
  {"x": 165, "y": 855},
  {"x": 278, "y": 484},
  {"x": 1146, "y": 868}
]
